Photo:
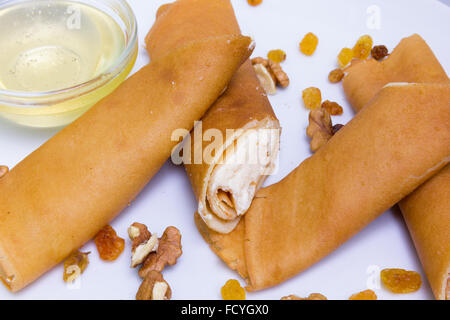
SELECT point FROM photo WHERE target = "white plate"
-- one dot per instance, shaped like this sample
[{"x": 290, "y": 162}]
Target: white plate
[{"x": 168, "y": 199}]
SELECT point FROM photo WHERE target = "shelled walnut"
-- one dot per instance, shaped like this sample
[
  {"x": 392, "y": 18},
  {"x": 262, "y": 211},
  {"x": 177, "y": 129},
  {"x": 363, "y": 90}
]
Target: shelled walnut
[
  {"x": 320, "y": 128},
  {"x": 169, "y": 249},
  {"x": 143, "y": 243},
  {"x": 270, "y": 74},
  {"x": 154, "y": 287}
]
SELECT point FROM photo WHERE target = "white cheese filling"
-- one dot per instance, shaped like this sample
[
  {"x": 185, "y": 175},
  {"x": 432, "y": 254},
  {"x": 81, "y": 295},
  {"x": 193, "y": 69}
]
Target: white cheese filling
[{"x": 236, "y": 179}]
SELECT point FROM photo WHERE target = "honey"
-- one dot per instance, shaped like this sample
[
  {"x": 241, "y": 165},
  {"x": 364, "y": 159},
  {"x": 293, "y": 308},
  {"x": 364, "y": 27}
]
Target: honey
[{"x": 49, "y": 46}]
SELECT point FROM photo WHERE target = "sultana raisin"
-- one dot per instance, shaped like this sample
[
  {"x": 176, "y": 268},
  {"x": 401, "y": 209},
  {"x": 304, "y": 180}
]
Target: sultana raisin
[
  {"x": 336, "y": 75},
  {"x": 254, "y": 2},
  {"x": 400, "y": 280},
  {"x": 363, "y": 46},
  {"x": 109, "y": 245},
  {"x": 364, "y": 295},
  {"x": 379, "y": 52},
  {"x": 332, "y": 107},
  {"x": 312, "y": 98},
  {"x": 277, "y": 55},
  {"x": 232, "y": 290},
  {"x": 344, "y": 57},
  {"x": 309, "y": 44},
  {"x": 336, "y": 128},
  {"x": 75, "y": 265},
  {"x": 312, "y": 296}
]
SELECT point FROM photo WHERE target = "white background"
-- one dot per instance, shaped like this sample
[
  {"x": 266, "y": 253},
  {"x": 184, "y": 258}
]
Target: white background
[{"x": 168, "y": 199}]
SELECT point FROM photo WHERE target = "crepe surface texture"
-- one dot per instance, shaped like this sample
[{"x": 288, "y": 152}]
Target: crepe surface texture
[
  {"x": 224, "y": 182},
  {"x": 427, "y": 210},
  {"x": 63, "y": 193},
  {"x": 367, "y": 167}
]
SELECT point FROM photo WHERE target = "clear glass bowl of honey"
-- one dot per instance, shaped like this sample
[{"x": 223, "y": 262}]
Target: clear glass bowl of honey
[{"x": 59, "y": 57}]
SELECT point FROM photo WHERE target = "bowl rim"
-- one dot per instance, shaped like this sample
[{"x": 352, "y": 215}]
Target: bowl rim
[{"x": 8, "y": 97}]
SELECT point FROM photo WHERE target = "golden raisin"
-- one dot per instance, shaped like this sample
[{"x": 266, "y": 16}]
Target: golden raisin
[
  {"x": 312, "y": 98},
  {"x": 309, "y": 44},
  {"x": 332, "y": 107},
  {"x": 312, "y": 296},
  {"x": 379, "y": 52},
  {"x": 232, "y": 290},
  {"x": 363, "y": 46},
  {"x": 277, "y": 55},
  {"x": 344, "y": 57},
  {"x": 364, "y": 295},
  {"x": 254, "y": 2},
  {"x": 109, "y": 245},
  {"x": 336, "y": 75},
  {"x": 75, "y": 265},
  {"x": 400, "y": 280}
]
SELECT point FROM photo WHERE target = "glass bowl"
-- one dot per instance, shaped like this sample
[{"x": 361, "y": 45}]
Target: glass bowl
[{"x": 59, "y": 107}]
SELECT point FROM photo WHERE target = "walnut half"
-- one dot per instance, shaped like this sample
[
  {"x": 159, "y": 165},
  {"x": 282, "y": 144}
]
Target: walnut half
[
  {"x": 143, "y": 243},
  {"x": 154, "y": 287},
  {"x": 169, "y": 249},
  {"x": 320, "y": 128},
  {"x": 267, "y": 81},
  {"x": 270, "y": 74}
]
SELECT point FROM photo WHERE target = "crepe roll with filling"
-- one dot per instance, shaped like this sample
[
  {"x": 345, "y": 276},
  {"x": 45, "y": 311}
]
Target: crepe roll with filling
[
  {"x": 63, "y": 193},
  {"x": 392, "y": 146},
  {"x": 427, "y": 210},
  {"x": 246, "y": 131}
]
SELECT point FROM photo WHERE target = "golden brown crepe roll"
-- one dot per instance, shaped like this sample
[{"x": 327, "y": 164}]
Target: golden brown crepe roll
[
  {"x": 62, "y": 194},
  {"x": 411, "y": 61},
  {"x": 226, "y": 183},
  {"x": 427, "y": 214},
  {"x": 427, "y": 210},
  {"x": 398, "y": 141}
]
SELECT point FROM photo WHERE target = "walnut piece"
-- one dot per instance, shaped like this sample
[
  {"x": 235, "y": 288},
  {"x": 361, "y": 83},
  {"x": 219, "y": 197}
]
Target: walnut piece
[
  {"x": 266, "y": 80},
  {"x": 154, "y": 287},
  {"x": 3, "y": 170},
  {"x": 270, "y": 74},
  {"x": 169, "y": 249},
  {"x": 281, "y": 77},
  {"x": 319, "y": 128},
  {"x": 312, "y": 296},
  {"x": 75, "y": 265},
  {"x": 143, "y": 242},
  {"x": 260, "y": 60}
]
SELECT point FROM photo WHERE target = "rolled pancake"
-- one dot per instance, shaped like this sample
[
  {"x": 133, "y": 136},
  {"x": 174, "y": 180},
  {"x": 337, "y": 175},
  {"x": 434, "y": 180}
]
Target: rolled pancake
[
  {"x": 398, "y": 141},
  {"x": 427, "y": 210},
  {"x": 62, "y": 194},
  {"x": 224, "y": 184},
  {"x": 411, "y": 61},
  {"x": 427, "y": 214}
]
